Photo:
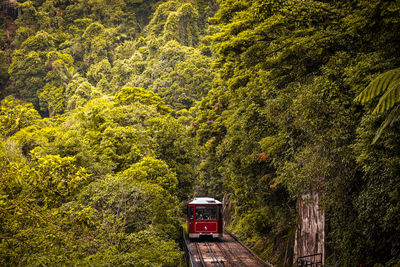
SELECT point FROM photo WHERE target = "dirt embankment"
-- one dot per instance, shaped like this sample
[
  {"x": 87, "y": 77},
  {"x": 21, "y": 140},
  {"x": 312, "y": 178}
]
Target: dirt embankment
[
  {"x": 9, "y": 14},
  {"x": 11, "y": 27}
]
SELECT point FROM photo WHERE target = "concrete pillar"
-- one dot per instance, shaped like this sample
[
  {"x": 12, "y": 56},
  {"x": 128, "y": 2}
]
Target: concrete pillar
[{"x": 310, "y": 232}]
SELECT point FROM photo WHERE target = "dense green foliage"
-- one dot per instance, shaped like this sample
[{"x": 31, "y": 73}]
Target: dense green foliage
[
  {"x": 281, "y": 122},
  {"x": 114, "y": 113},
  {"x": 95, "y": 163},
  {"x": 283, "y": 116}
]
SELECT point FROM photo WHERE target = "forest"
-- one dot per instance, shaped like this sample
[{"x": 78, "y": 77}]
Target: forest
[{"x": 115, "y": 113}]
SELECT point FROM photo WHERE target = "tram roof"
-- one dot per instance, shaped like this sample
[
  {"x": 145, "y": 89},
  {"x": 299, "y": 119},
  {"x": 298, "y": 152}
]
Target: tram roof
[{"x": 204, "y": 200}]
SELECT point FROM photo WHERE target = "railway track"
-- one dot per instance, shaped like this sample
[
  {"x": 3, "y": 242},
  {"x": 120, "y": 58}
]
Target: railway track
[
  {"x": 211, "y": 259},
  {"x": 228, "y": 255},
  {"x": 200, "y": 254},
  {"x": 218, "y": 262},
  {"x": 226, "y": 252}
]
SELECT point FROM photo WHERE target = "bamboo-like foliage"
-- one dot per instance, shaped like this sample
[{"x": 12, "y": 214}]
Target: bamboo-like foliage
[{"x": 388, "y": 84}]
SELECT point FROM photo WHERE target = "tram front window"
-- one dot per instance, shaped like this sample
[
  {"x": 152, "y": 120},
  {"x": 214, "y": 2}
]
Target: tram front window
[{"x": 206, "y": 212}]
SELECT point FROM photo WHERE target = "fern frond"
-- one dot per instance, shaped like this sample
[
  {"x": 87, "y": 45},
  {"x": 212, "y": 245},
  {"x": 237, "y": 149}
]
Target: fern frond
[
  {"x": 389, "y": 98},
  {"x": 379, "y": 85},
  {"x": 393, "y": 117}
]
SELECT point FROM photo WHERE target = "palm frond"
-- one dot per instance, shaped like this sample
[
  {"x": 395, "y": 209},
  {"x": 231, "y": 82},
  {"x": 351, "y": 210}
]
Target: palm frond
[
  {"x": 379, "y": 85},
  {"x": 389, "y": 98},
  {"x": 386, "y": 84},
  {"x": 393, "y": 117}
]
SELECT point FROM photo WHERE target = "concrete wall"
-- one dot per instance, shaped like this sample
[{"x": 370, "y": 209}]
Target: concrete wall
[{"x": 310, "y": 232}]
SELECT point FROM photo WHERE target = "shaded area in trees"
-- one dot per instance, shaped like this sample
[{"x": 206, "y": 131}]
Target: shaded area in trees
[{"x": 281, "y": 122}]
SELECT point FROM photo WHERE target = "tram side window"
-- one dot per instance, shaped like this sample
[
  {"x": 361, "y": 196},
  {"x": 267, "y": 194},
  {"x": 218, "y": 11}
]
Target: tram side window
[
  {"x": 206, "y": 212},
  {"x": 219, "y": 212},
  {"x": 191, "y": 213}
]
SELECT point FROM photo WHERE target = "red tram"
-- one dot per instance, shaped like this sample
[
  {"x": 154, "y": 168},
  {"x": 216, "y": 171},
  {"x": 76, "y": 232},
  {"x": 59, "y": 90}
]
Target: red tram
[{"x": 205, "y": 218}]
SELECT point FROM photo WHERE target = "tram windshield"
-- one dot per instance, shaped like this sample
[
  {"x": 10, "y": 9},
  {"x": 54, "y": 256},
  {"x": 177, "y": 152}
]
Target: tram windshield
[{"x": 206, "y": 212}]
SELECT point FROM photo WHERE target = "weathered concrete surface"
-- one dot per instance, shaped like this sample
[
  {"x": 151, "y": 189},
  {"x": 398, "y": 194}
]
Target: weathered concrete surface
[{"x": 310, "y": 232}]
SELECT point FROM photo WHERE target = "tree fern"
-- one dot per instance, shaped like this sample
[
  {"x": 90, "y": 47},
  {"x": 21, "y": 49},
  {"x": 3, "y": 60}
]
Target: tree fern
[
  {"x": 393, "y": 117},
  {"x": 388, "y": 84},
  {"x": 389, "y": 98}
]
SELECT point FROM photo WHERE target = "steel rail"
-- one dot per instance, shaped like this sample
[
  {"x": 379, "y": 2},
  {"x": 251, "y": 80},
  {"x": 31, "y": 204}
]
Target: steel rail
[
  {"x": 214, "y": 255},
  {"x": 237, "y": 258},
  {"x": 200, "y": 254},
  {"x": 228, "y": 258},
  {"x": 266, "y": 263}
]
